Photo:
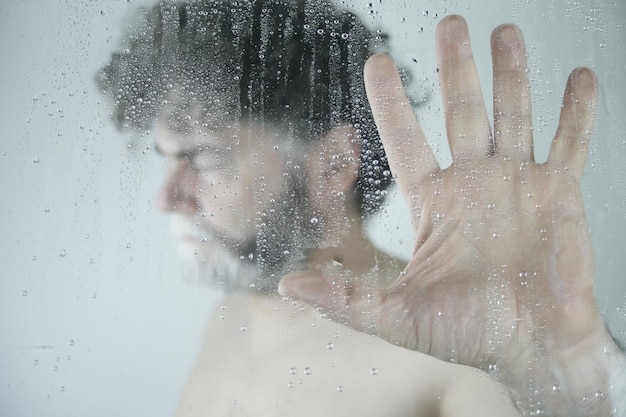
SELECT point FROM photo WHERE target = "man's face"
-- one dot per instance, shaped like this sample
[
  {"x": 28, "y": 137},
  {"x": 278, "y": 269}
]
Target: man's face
[
  {"x": 227, "y": 187},
  {"x": 221, "y": 179}
]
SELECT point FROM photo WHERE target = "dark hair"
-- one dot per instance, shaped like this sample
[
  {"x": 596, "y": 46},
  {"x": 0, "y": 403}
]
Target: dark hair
[{"x": 297, "y": 63}]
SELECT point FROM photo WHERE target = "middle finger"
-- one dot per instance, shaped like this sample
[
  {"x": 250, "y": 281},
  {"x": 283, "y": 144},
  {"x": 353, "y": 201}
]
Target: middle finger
[
  {"x": 467, "y": 125},
  {"x": 511, "y": 93}
]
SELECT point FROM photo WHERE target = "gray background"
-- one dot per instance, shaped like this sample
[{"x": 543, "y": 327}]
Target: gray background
[{"x": 95, "y": 318}]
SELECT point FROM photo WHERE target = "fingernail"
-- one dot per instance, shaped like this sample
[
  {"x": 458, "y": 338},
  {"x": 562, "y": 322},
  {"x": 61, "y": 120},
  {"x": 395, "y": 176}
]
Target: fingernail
[
  {"x": 457, "y": 35},
  {"x": 509, "y": 35},
  {"x": 310, "y": 288},
  {"x": 454, "y": 27},
  {"x": 511, "y": 55},
  {"x": 585, "y": 80}
]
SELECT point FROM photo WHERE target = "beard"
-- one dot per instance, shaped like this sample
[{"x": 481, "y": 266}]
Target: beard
[{"x": 283, "y": 236}]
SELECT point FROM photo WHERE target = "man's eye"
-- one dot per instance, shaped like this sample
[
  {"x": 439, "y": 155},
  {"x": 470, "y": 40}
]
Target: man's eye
[{"x": 210, "y": 161}]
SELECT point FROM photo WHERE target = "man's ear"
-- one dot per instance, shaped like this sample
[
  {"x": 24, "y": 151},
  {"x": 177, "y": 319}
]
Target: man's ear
[{"x": 335, "y": 161}]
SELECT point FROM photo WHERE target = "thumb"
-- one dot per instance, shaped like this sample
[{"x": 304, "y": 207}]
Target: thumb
[
  {"x": 308, "y": 286},
  {"x": 337, "y": 294}
]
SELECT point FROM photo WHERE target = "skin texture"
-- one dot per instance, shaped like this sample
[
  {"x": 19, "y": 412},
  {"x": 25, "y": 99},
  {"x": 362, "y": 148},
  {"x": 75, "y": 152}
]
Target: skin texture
[
  {"x": 502, "y": 273},
  {"x": 263, "y": 356},
  {"x": 209, "y": 172},
  {"x": 248, "y": 372}
]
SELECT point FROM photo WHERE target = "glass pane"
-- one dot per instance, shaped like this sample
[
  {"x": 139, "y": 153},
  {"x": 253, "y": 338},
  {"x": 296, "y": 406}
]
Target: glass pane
[{"x": 99, "y": 313}]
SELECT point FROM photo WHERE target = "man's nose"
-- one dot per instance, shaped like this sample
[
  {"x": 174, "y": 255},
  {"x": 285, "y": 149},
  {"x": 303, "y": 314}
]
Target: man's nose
[{"x": 178, "y": 192}]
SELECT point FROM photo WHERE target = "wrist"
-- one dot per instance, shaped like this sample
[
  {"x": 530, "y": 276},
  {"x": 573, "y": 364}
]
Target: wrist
[
  {"x": 582, "y": 379},
  {"x": 587, "y": 375},
  {"x": 588, "y": 379}
]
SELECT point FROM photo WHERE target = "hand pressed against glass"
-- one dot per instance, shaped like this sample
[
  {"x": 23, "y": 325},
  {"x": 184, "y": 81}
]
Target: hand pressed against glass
[{"x": 502, "y": 273}]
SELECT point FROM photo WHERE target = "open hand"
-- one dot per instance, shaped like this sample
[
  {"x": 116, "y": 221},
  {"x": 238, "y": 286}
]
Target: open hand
[{"x": 502, "y": 273}]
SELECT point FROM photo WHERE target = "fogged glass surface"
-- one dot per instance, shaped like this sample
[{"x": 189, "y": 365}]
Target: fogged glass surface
[{"x": 97, "y": 315}]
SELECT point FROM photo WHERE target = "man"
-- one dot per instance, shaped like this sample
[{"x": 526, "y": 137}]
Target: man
[
  {"x": 260, "y": 109},
  {"x": 257, "y": 85}
]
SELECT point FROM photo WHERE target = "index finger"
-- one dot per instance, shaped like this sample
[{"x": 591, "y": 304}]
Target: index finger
[{"x": 410, "y": 156}]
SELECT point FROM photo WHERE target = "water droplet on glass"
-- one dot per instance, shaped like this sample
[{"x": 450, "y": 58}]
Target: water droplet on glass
[
  {"x": 62, "y": 253},
  {"x": 556, "y": 388},
  {"x": 24, "y": 293},
  {"x": 36, "y": 160},
  {"x": 307, "y": 371},
  {"x": 374, "y": 371},
  {"x": 293, "y": 370},
  {"x": 340, "y": 388},
  {"x": 313, "y": 220},
  {"x": 330, "y": 346}
]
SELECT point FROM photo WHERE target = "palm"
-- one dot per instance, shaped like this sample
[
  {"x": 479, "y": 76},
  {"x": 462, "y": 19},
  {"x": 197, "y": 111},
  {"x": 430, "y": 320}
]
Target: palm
[{"x": 503, "y": 261}]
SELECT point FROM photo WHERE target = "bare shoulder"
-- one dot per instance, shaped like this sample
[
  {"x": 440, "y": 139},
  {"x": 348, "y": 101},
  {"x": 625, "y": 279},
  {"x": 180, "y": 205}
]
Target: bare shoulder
[{"x": 268, "y": 356}]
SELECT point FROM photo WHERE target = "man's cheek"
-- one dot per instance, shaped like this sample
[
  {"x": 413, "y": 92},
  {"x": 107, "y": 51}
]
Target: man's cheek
[{"x": 217, "y": 192}]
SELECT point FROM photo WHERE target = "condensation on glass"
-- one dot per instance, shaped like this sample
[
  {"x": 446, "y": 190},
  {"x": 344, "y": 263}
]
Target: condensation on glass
[{"x": 93, "y": 298}]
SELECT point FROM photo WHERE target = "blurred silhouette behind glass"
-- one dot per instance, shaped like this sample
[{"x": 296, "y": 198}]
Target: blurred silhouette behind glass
[{"x": 295, "y": 68}]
